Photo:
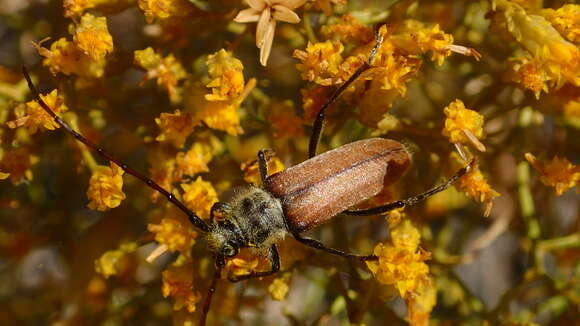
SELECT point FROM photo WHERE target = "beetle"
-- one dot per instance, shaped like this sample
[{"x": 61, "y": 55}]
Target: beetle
[{"x": 294, "y": 200}]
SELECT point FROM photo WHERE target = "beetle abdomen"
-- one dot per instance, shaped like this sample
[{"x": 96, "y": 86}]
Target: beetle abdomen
[{"x": 315, "y": 190}]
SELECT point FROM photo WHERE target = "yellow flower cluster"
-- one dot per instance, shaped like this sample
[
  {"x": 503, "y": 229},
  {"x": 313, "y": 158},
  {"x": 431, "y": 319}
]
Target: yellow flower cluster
[
  {"x": 402, "y": 262},
  {"x": 195, "y": 160},
  {"x": 463, "y": 125},
  {"x": 565, "y": 20},
  {"x": 105, "y": 187},
  {"x": 177, "y": 283},
  {"x": 85, "y": 56},
  {"x": 167, "y": 70},
  {"x": 75, "y": 8},
  {"x": 251, "y": 169},
  {"x": 284, "y": 120},
  {"x": 175, "y": 127},
  {"x": 558, "y": 173},
  {"x": 93, "y": 38},
  {"x": 320, "y": 62},
  {"x": 108, "y": 264},
  {"x": 199, "y": 196},
  {"x": 556, "y": 61},
  {"x": 219, "y": 110},
  {"x": 474, "y": 184},
  {"x": 226, "y": 74},
  {"x": 176, "y": 234},
  {"x": 165, "y": 9},
  {"x": 33, "y": 117}
]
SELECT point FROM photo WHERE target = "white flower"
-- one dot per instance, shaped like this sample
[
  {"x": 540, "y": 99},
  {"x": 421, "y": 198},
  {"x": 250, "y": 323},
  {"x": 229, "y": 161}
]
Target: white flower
[{"x": 266, "y": 13}]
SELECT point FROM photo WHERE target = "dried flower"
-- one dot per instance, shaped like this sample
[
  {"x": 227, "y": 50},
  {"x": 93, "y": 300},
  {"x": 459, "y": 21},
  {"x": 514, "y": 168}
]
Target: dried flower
[
  {"x": 558, "y": 173},
  {"x": 199, "y": 196},
  {"x": 175, "y": 127},
  {"x": 105, "y": 187},
  {"x": 227, "y": 79},
  {"x": 92, "y": 37},
  {"x": 167, "y": 70},
  {"x": 463, "y": 125},
  {"x": 177, "y": 283},
  {"x": 175, "y": 234},
  {"x": 266, "y": 13},
  {"x": 32, "y": 116},
  {"x": 402, "y": 262}
]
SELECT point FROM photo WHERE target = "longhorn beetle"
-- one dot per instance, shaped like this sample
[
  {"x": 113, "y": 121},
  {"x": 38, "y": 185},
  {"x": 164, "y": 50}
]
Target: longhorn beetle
[{"x": 294, "y": 200}]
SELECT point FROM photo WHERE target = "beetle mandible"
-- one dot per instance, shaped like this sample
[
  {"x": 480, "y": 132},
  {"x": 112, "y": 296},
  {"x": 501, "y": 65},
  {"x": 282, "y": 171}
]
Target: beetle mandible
[{"x": 294, "y": 200}]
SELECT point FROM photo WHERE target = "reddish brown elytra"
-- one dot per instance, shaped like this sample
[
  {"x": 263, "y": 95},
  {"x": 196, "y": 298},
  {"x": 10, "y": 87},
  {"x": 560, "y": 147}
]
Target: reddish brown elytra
[{"x": 294, "y": 200}]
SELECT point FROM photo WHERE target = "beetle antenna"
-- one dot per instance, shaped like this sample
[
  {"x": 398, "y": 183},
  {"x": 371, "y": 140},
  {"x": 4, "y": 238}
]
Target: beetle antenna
[
  {"x": 193, "y": 218},
  {"x": 210, "y": 293},
  {"x": 415, "y": 199},
  {"x": 319, "y": 122}
]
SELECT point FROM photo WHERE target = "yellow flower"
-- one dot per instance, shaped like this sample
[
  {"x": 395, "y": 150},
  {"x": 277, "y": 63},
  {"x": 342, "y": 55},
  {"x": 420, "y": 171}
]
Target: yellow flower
[
  {"x": 266, "y": 13},
  {"x": 402, "y": 263},
  {"x": 414, "y": 38},
  {"x": 164, "y": 9},
  {"x": 167, "y": 70},
  {"x": 176, "y": 234},
  {"x": 67, "y": 58},
  {"x": 108, "y": 264},
  {"x": 242, "y": 265},
  {"x": 175, "y": 127},
  {"x": 178, "y": 284},
  {"x": 463, "y": 125},
  {"x": 566, "y": 20},
  {"x": 75, "y": 8},
  {"x": 420, "y": 307},
  {"x": 474, "y": 184},
  {"x": 227, "y": 79},
  {"x": 199, "y": 196},
  {"x": 18, "y": 163},
  {"x": 312, "y": 101},
  {"x": 349, "y": 30},
  {"x": 195, "y": 160},
  {"x": 105, "y": 187},
  {"x": 32, "y": 116},
  {"x": 559, "y": 58},
  {"x": 558, "y": 173},
  {"x": 530, "y": 74},
  {"x": 92, "y": 37},
  {"x": 279, "y": 287},
  {"x": 252, "y": 172},
  {"x": 320, "y": 62}
]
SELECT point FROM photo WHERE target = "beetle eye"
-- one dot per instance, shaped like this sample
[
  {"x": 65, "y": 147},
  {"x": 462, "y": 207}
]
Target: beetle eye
[{"x": 230, "y": 250}]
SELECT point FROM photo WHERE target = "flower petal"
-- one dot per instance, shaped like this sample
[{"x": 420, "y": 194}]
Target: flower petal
[
  {"x": 249, "y": 15},
  {"x": 259, "y": 5},
  {"x": 284, "y": 14},
  {"x": 267, "y": 45},
  {"x": 262, "y": 26}
]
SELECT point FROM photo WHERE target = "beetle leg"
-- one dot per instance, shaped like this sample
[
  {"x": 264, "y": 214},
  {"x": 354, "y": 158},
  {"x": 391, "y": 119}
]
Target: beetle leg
[
  {"x": 274, "y": 261},
  {"x": 415, "y": 199},
  {"x": 318, "y": 245},
  {"x": 319, "y": 122},
  {"x": 263, "y": 165}
]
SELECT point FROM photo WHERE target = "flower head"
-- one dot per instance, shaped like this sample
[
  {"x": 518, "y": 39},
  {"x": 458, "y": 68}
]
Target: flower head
[
  {"x": 32, "y": 116},
  {"x": 475, "y": 185},
  {"x": 227, "y": 79},
  {"x": 558, "y": 173},
  {"x": 108, "y": 264},
  {"x": 164, "y": 9},
  {"x": 167, "y": 70},
  {"x": 199, "y": 196},
  {"x": 175, "y": 127},
  {"x": 320, "y": 62},
  {"x": 463, "y": 125},
  {"x": 176, "y": 234},
  {"x": 105, "y": 187},
  {"x": 279, "y": 287},
  {"x": 92, "y": 37},
  {"x": 266, "y": 13},
  {"x": 177, "y": 284},
  {"x": 66, "y": 57},
  {"x": 402, "y": 262},
  {"x": 252, "y": 172}
]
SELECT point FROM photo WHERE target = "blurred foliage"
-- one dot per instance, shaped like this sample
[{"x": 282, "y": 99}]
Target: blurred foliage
[{"x": 179, "y": 90}]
